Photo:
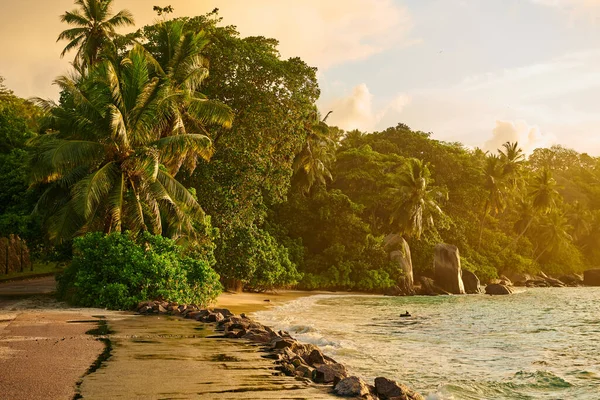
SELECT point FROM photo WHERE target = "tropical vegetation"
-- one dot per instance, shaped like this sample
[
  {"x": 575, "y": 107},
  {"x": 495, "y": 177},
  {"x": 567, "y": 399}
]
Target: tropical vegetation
[{"x": 181, "y": 151}]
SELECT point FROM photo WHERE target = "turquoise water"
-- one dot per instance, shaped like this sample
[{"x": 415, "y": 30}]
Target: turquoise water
[{"x": 541, "y": 343}]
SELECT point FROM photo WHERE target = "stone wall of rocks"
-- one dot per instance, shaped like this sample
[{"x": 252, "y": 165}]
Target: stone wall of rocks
[
  {"x": 303, "y": 361},
  {"x": 14, "y": 255}
]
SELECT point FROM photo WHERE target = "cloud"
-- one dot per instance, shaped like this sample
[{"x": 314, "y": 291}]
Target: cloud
[
  {"x": 323, "y": 33},
  {"x": 577, "y": 9},
  {"x": 528, "y": 137},
  {"x": 358, "y": 111}
]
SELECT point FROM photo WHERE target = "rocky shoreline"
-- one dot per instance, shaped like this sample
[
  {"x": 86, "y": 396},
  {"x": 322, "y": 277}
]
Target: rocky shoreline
[{"x": 292, "y": 358}]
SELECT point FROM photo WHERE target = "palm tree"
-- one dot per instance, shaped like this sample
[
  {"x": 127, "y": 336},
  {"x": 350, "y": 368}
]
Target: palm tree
[
  {"x": 312, "y": 164},
  {"x": 580, "y": 219},
  {"x": 543, "y": 191},
  {"x": 177, "y": 57},
  {"x": 495, "y": 186},
  {"x": 543, "y": 195},
  {"x": 512, "y": 159},
  {"x": 94, "y": 29},
  {"x": 104, "y": 165},
  {"x": 554, "y": 231},
  {"x": 416, "y": 203}
]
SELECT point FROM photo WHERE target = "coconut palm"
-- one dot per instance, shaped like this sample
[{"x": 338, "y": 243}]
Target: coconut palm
[
  {"x": 177, "y": 58},
  {"x": 542, "y": 199},
  {"x": 495, "y": 185},
  {"x": 94, "y": 29},
  {"x": 554, "y": 232},
  {"x": 104, "y": 165},
  {"x": 415, "y": 205},
  {"x": 512, "y": 158},
  {"x": 543, "y": 191},
  {"x": 312, "y": 164}
]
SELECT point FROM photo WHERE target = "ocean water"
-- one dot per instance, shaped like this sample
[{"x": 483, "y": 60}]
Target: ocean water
[{"x": 539, "y": 343}]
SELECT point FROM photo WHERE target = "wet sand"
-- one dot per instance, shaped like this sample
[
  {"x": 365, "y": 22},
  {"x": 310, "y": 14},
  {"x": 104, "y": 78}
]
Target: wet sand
[
  {"x": 45, "y": 352},
  {"x": 160, "y": 357}
]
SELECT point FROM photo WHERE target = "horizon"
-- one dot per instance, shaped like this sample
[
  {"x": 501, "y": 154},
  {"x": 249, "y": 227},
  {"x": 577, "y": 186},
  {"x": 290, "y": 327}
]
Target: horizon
[{"x": 494, "y": 72}]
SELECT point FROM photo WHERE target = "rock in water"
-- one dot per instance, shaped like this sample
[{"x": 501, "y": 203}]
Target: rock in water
[
  {"x": 591, "y": 277},
  {"x": 497, "y": 289},
  {"x": 352, "y": 387},
  {"x": 399, "y": 253},
  {"x": 471, "y": 282},
  {"x": 571, "y": 280},
  {"x": 446, "y": 266}
]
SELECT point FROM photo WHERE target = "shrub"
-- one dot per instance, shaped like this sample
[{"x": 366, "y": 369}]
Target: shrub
[{"x": 117, "y": 271}]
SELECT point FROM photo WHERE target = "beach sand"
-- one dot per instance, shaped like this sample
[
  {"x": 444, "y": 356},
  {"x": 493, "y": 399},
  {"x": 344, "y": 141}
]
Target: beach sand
[{"x": 44, "y": 348}]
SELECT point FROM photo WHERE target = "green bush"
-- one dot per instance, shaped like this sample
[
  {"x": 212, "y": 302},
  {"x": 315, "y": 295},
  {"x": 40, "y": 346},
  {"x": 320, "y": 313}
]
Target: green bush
[
  {"x": 117, "y": 271},
  {"x": 255, "y": 258}
]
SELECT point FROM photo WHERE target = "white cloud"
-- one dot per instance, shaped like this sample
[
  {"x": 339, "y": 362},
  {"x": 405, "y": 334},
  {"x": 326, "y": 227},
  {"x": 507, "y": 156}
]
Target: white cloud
[
  {"x": 576, "y": 9},
  {"x": 528, "y": 137},
  {"x": 323, "y": 33},
  {"x": 358, "y": 111}
]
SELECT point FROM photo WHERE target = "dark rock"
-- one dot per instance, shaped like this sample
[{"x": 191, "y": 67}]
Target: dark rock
[
  {"x": 540, "y": 282},
  {"x": 283, "y": 343},
  {"x": 304, "y": 371},
  {"x": 314, "y": 357},
  {"x": 352, "y": 387},
  {"x": 497, "y": 289},
  {"x": 571, "y": 280},
  {"x": 214, "y": 317},
  {"x": 471, "y": 282},
  {"x": 591, "y": 277},
  {"x": 447, "y": 270},
  {"x": 327, "y": 372},
  {"x": 223, "y": 311},
  {"x": 428, "y": 288},
  {"x": 144, "y": 309},
  {"x": 388, "y": 389},
  {"x": 258, "y": 335}
]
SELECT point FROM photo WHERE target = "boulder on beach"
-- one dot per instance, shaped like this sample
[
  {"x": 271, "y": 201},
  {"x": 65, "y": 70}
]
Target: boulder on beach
[
  {"x": 571, "y": 280},
  {"x": 352, "y": 387},
  {"x": 327, "y": 373},
  {"x": 497, "y": 289},
  {"x": 447, "y": 271},
  {"x": 399, "y": 253},
  {"x": 471, "y": 282},
  {"x": 591, "y": 277},
  {"x": 389, "y": 389}
]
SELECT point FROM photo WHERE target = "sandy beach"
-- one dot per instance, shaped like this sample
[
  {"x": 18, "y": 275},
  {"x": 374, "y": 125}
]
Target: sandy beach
[{"x": 44, "y": 348}]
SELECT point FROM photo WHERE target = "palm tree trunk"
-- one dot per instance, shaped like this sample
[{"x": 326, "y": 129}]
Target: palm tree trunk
[
  {"x": 482, "y": 223},
  {"x": 518, "y": 237}
]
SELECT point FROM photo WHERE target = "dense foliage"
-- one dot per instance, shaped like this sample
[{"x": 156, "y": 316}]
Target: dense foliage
[
  {"x": 187, "y": 130},
  {"x": 119, "y": 270}
]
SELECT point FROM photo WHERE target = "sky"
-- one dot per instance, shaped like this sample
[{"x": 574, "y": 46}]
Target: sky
[{"x": 480, "y": 72}]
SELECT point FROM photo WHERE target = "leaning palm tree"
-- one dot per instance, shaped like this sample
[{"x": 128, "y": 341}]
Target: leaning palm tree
[
  {"x": 94, "y": 30},
  {"x": 312, "y": 164},
  {"x": 415, "y": 205},
  {"x": 554, "y": 232},
  {"x": 542, "y": 199},
  {"x": 104, "y": 167}
]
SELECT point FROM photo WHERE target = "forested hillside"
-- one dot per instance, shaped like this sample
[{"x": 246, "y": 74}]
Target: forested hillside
[{"x": 187, "y": 130}]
